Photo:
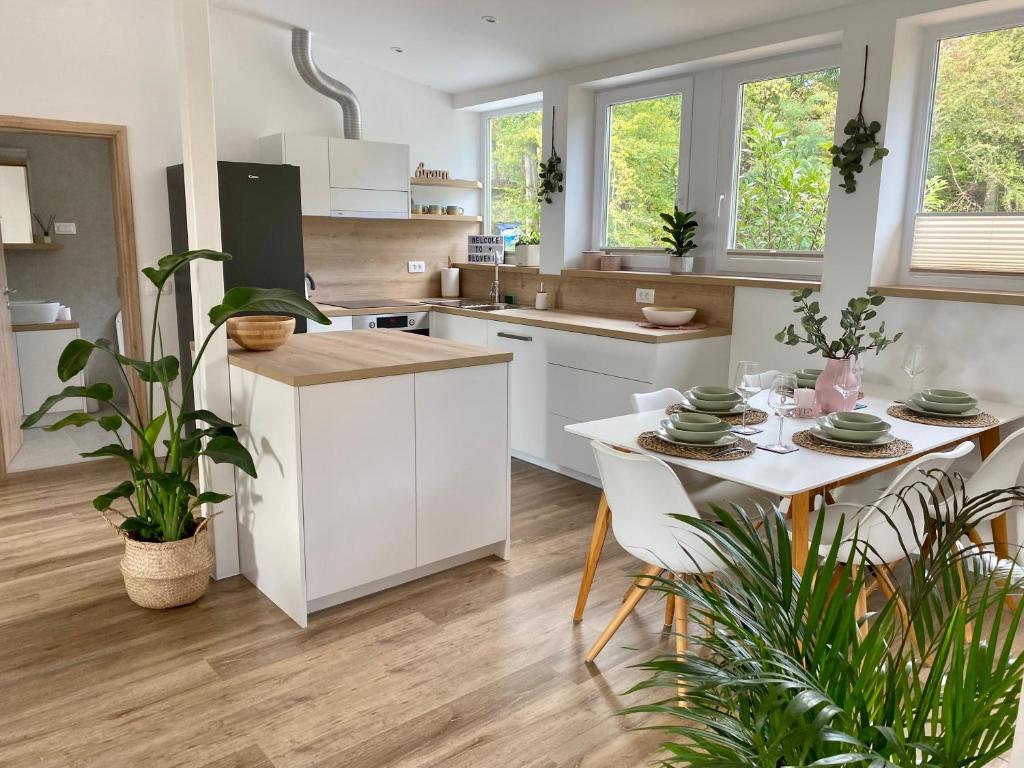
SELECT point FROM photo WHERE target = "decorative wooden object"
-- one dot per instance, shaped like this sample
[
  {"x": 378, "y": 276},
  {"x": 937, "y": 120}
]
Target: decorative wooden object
[
  {"x": 261, "y": 333},
  {"x": 425, "y": 173}
]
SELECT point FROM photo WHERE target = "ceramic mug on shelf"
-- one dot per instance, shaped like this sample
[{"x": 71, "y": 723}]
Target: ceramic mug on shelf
[
  {"x": 417, "y": 208},
  {"x": 454, "y": 210},
  {"x": 434, "y": 210}
]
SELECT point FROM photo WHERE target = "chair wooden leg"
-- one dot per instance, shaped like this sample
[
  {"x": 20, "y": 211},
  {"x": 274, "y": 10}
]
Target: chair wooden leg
[
  {"x": 670, "y": 605},
  {"x": 637, "y": 591},
  {"x": 604, "y": 516},
  {"x": 682, "y": 614},
  {"x": 862, "y": 609}
]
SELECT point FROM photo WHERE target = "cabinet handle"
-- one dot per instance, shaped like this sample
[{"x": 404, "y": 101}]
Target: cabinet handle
[{"x": 515, "y": 336}]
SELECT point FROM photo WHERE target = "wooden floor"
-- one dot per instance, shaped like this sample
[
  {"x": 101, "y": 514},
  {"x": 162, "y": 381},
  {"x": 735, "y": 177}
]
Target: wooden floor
[{"x": 476, "y": 667}]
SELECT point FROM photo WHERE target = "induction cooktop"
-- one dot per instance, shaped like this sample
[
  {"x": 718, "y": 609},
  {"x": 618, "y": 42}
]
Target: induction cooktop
[{"x": 370, "y": 303}]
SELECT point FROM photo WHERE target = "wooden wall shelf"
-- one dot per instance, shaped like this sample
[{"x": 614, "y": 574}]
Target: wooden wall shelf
[
  {"x": 444, "y": 217},
  {"x": 32, "y": 246},
  {"x": 418, "y": 181}
]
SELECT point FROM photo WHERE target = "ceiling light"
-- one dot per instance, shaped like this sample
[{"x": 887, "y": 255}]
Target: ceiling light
[
  {"x": 489, "y": 19},
  {"x": 396, "y": 49}
]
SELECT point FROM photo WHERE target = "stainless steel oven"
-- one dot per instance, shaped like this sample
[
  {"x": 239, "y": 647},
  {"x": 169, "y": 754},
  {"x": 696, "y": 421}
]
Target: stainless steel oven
[{"x": 411, "y": 322}]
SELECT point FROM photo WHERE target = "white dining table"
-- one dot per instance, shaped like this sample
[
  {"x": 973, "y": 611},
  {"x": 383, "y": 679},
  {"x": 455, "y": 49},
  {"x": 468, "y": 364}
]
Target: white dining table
[{"x": 799, "y": 475}]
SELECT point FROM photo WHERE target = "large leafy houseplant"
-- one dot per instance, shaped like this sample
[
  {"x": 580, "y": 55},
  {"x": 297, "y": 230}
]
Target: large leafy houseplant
[
  {"x": 853, "y": 322},
  {"x": 159, "y": 491},
  {"x": 794, "y": 674}
]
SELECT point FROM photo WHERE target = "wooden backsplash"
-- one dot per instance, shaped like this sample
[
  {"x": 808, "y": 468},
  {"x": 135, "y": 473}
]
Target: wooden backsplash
[
  {"x": 613, "y": 297},
  {"x": 368, "y": 258}
]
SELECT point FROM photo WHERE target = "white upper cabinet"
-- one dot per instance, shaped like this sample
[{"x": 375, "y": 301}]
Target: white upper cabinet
[{"x": 369, "y": 165}]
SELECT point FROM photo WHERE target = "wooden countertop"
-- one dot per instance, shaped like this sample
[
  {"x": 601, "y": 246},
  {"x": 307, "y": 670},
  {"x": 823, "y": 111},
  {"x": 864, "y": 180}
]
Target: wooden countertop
[
  {"x": 559, "y": 320},
  {"x": 60, "y": 325},
  {"x": 324, "y": 358}
]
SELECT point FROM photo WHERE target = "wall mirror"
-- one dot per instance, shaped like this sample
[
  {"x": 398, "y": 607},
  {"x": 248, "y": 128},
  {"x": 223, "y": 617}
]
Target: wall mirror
[{"x": 15, "y": 203}]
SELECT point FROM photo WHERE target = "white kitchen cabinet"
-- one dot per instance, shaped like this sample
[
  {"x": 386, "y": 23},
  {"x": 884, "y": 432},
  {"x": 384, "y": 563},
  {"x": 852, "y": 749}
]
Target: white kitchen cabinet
[
  {"x": 587, "y": 396},
  {"x": 462, "y": 465},
  {"x": 38, "y": 354},
  {"x": 310, "y": 154},
  {"x": 360, "y": 164},
  {"x": 527, "y": 390},
  {"x": 342, "y": 323},
  {"x": 635, "y": 360},
  {"x": 359, "y": 482},
  {"x": 468, "y": 330}
]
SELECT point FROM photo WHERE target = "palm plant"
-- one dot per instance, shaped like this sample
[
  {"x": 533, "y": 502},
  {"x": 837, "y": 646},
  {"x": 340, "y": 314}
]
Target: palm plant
[
  {"x": 793, "y": 676},
  {"x": 160, "y": 491}
]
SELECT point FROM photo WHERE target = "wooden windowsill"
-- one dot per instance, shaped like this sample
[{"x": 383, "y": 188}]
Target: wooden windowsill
[
  {"x": 738, "y": 281},
  {"x": 1013, "y": 298}
]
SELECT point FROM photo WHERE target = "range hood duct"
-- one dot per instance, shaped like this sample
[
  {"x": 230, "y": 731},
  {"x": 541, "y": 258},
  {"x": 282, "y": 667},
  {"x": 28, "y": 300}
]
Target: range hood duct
[{"x": 302, "y": 53}]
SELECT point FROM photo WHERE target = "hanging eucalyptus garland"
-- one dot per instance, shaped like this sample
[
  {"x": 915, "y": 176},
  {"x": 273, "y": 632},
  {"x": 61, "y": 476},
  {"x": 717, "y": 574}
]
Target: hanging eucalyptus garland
[
  {"x": 551, "y": 175},
  {"x": 861, "y": 135}
]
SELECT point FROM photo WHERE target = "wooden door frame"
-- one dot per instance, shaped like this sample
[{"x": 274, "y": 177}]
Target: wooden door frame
[{"x": 124, "y": 227}]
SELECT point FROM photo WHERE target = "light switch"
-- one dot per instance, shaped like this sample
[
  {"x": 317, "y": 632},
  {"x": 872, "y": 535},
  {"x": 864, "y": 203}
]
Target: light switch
[
  {"x": 65, "y": 228},
  {"x": 417, "y": 266},
  {"x": 644, "y": 295}
]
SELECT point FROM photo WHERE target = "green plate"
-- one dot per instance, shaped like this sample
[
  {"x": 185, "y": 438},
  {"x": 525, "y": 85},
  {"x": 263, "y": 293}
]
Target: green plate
[
  {"x": 721, "y": 442},
  {"x": 965, "y": 415},
  {"x": 883, "y": 440}
]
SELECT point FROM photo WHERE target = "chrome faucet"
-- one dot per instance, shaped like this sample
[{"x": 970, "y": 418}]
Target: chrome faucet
[{"x": 495, "y": 294}]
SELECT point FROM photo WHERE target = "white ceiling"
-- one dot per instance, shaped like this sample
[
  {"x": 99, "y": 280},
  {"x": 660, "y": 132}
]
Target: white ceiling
[{"x": 448, "y": 47}]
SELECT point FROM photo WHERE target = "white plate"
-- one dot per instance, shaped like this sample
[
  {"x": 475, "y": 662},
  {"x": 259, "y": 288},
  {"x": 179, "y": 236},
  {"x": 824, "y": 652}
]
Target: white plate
[
  {"x": 721, "y": 442},
  {"x": 964, "y": 415},
  {"x": 738, "y": 408},
  {"x": 883, "y": 440}
]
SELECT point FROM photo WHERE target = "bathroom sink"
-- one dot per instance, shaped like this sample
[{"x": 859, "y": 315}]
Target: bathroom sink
[{"x": 34, "y": 312}]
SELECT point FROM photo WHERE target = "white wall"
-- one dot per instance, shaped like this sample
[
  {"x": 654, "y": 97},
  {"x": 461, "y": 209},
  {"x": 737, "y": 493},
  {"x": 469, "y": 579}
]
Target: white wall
[
  {"x": 103, "y": 61},
  {"x": 258, "y": 92}
]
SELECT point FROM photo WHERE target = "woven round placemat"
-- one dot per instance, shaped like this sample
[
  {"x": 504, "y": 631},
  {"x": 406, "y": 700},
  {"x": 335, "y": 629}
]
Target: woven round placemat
[
  {"x": 652, "y": 441},
  {"x": 754, "y": 415},
  {"x": 806, "y": 439},
  {"x": 909, "y": 414}
]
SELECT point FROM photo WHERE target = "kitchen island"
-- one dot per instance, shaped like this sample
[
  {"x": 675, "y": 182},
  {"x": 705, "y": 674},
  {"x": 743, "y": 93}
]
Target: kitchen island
[{"x": 381, "y": 456}]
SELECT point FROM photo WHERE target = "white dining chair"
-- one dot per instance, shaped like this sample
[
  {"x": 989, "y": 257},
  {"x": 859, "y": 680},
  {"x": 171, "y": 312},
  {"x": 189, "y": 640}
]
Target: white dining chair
[
  {"x": 656, "y": 401},
  {"x": 887, "y": 529},
  {"x": 644, "y": 491}
]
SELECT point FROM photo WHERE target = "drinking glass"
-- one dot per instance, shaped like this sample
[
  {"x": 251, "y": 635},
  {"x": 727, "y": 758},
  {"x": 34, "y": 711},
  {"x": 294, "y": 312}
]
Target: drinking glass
[
  {"x": 847, "y": 383},
  {"x": 782, "y": 399},
  {"x": 915, "y": 361},
  {"x": 747, "y": 383}
]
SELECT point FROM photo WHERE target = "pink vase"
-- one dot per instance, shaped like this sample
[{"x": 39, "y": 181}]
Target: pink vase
[{"x": 829, "y": 399}]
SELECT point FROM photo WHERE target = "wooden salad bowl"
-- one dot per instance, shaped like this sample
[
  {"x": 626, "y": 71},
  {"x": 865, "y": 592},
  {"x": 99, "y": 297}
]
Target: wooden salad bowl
[{"x": 261, "y": 333}]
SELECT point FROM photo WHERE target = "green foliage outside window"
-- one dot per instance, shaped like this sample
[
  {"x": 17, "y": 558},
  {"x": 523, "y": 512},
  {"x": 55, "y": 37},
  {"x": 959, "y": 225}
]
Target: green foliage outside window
[
  {"x": 976, "y": 150},
  {"x": 643, "y": 169},
  {"x": 784, "y": 169},
  {"x": 515, "y": 156}
]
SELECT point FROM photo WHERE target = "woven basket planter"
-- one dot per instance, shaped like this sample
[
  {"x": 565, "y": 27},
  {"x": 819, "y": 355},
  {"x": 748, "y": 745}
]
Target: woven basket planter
[{"x": 168, "y": 574}]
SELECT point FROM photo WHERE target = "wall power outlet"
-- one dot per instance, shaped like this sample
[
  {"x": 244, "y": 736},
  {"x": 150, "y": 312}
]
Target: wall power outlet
[
  {"x": 65, "y": 228},
  {"x": 417, "y": 266},
  {"x": 644, "y": 295}
]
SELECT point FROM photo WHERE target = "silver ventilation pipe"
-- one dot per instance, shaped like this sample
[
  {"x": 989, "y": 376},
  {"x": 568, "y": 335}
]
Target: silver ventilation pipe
[{"x": 302, "y": 53}]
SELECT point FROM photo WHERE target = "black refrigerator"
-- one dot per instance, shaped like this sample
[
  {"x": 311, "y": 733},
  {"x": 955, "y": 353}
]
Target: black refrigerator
[{"x": 261, "y": 227}]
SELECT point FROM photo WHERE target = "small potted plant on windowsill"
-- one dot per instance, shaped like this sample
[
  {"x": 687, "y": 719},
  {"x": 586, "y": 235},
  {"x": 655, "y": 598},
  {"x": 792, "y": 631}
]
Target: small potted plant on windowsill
[
  {"x": 840, "y": 354},
  {"x": 680, "y": 227},
  {"x": 167, "y": 557},
  {"x": 528, "y": 249}
]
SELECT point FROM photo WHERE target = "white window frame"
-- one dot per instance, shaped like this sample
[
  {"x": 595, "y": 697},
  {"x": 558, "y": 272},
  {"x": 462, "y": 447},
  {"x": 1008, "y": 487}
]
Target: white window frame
[
  {"x": 603, "y": 100},
  {"x": 929, "y": 65},
  {"x": 485, "y": 146},
  {"x": 726, "y": 258}
]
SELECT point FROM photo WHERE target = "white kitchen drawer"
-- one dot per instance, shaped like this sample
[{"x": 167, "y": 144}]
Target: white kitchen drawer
[
  {"x": 462, "y": 467},
  {"x": 343, "y": 323},
  {"x": 369, "y": 164},
  {"x": 587, "y": 396},
  {"x": 571, "y": 451},
  {"x": 468, "y": 330},
  {"x": 354, "y": 203},
  {"x": 527, "y": 383},
  {"x": 358, "y": 482},
  {"x": 615, "y": 357}
]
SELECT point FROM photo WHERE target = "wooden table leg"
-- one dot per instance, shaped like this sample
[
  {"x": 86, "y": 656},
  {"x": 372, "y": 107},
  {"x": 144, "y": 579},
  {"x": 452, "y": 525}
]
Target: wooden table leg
[
  {"x": 800, "y": 513},
  {"x": 987, "y": 443},
  {"x": 604, "y": 516}
]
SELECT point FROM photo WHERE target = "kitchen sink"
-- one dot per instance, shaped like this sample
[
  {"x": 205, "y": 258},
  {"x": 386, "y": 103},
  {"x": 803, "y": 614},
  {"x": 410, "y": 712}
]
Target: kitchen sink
[{"x": 477, "y": 304}]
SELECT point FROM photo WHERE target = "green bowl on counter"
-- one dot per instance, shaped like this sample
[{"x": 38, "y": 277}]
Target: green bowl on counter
[
  {"x": 946, "y": 408},
  {"x": 853, "y": 435},
  {"x": 722, "y": 394},
  {"x": 697, "y": 422},
  {"x": 694, "y": 436}
]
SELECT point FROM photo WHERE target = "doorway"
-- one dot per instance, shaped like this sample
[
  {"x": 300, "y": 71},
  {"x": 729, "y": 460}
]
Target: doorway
[{"x": 84, "y": 270}]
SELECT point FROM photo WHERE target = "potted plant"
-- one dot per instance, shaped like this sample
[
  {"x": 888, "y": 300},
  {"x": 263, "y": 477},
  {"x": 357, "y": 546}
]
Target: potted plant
[
  {"x": 799, "y": 671},
  {"x": 840, "y": 354},
  {"x": 680, "y": 227},
  {"x": 528, "y": 249},
  {"x": 167, "y": 556}
]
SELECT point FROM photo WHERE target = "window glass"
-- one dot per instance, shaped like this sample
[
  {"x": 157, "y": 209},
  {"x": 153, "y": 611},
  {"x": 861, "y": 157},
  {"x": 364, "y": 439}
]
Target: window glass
[
  {"x": 642, "y": 169},
  {"x": 784, "y": 170},
  {"x": 515, "y": 147}
]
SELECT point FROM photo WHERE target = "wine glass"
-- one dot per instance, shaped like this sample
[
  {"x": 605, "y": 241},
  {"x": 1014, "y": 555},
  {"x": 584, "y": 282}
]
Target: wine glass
[
  {"x": 847, "y": 383},
  {"x": 782, "y": 399},
  {"x": 747, "y": 383},
  {"x": 915, "y": 361}
]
